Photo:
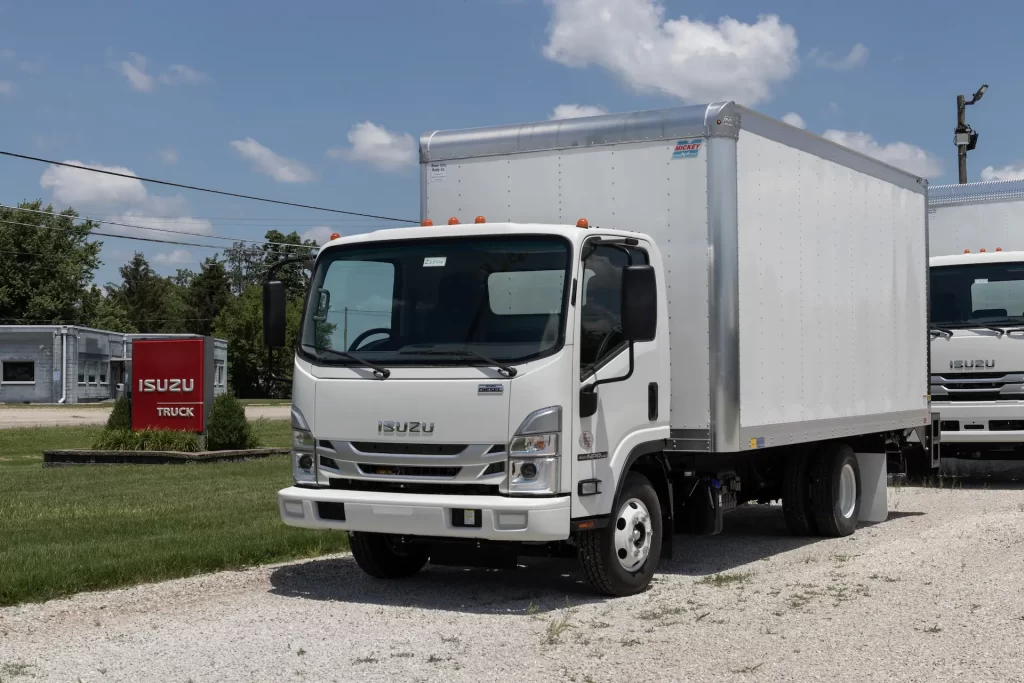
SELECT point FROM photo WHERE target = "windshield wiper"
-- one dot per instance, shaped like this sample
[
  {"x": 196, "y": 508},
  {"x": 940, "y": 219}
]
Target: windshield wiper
[
  {"x": 977, "y": 326},
  {"x": 504, "y": 369},
  {"x": 378, "y": 371}
]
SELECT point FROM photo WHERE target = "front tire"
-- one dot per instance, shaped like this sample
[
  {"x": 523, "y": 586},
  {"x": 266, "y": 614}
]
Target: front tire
[
  {"x": 379, "y": 557},
  {"x": 835, "y": 490},
  {"x": 621, "y": 559}
]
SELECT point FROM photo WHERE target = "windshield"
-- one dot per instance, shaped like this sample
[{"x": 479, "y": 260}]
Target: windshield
[
  {"x": 979, "y": 293},
  {"x": 445, "y": 301}
]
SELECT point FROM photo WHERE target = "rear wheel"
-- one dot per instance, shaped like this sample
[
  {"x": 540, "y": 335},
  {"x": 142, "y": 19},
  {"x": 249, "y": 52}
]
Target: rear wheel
[
  {"x": 835, "y": 490},
  {"x": 621, "y": 558},
  {"x": 796, "y": 498},
  {"x": 380, "y": 557}
]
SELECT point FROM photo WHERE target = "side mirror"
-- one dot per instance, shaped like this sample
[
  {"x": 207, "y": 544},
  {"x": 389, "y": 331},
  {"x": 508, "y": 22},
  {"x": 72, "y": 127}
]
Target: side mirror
[
  {"x": 639, "y": 303},
  {"x": 588, "y": 401},
  {"x": 274, "y": 314}
]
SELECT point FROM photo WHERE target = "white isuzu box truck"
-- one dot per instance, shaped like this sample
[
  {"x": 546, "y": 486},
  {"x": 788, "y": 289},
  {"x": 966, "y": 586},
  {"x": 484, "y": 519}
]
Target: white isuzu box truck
[
  {"x": 609, "y": 330},
  {"x": 976, "y": 237}
]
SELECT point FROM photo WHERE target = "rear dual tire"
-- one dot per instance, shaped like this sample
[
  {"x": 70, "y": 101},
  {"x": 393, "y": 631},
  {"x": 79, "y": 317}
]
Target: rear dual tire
[{"x": 822, "y": 492}]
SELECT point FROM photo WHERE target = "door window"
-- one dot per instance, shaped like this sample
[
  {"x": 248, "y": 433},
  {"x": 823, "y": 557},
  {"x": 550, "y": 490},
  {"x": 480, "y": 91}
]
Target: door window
[{"x": 601, "y": 304}]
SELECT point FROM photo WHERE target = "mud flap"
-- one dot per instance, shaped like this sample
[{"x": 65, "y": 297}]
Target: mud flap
[{"x": 705, "y": 506}]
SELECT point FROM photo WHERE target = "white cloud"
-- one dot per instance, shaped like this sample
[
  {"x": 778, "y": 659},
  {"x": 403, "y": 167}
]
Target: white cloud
[
  {"x": 34, "y": 66},
  {"x": 135, "y": 72},
  {"x": 265, "y": 160},
  {"x": 73, "y": 186},
  {"x": 794, "y": 119},
  {"x": 179, "y": 74},
  {"x": 856, "y": 58},
  {"x": 1004, "y": 173},
  {"x": 321, "y": 234},
  {"x": 169, "y": 156},
  {"x": 900, "y": 154},
  {"x": 6, "y": 88},
  {"x": 576, "y": 111},
  {"x": 377, "y": 146},
  {"x": 689, "y": 59},
  {"x": 176, "y": 257},
  {"x": 121, "y": 200}
]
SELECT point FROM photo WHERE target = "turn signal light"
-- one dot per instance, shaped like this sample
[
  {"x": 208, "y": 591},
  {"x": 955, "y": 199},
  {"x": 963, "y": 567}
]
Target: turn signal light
[
  {"x": 453, "y": 221},
  {"x": 427, "y": 223}
]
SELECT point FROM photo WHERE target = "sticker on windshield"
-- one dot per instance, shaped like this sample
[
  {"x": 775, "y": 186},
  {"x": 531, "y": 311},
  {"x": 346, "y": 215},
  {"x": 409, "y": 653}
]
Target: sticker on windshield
[{"x": 434, "y": 261}]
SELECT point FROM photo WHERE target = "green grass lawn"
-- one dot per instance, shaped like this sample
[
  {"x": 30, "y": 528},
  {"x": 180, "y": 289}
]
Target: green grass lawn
[{"x": 70, "y": 529}]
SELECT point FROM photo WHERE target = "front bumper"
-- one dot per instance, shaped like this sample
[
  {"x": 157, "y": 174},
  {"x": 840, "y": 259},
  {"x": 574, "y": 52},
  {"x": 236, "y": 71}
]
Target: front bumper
[
  {"x": 502, "y": 519},
  {"x": 980, "y": 415}
]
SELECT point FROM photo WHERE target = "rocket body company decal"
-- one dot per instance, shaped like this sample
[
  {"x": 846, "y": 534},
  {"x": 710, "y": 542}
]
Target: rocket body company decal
[
  {"x": 687, "y": 149},
  {"x": 586, "y": 441}
]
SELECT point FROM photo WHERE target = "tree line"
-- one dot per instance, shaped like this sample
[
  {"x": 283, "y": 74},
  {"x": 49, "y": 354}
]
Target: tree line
[{"x": 47, "y": 265}]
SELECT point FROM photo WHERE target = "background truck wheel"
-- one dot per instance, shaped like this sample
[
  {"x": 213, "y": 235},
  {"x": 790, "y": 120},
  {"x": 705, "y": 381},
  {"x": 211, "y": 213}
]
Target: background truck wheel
[
  {"x": 796, "y": 500},
  {"x": 835, "y": 490},
  {"x": 621, "y": 559},
  {"x": 379, "y": 557}
]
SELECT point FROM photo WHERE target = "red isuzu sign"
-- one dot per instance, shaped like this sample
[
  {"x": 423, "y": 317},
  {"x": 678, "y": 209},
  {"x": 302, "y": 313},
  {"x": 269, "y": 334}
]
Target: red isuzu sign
[{"x": 172, "y": 383}]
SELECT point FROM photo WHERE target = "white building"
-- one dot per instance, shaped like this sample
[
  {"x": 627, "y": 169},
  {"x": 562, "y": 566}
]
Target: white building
[{"x": 69, "y": 364}]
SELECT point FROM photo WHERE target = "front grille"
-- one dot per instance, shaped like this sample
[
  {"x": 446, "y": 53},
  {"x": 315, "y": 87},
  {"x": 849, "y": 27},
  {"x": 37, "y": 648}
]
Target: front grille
[
  {"x": 409, "y": 471},
  {"x": 381, "y": 486},
  {"x": 977, "y": 396},
  {"x": 408, "y": 448},
  {"x": 977, "y": 386},
  {"x": 1006, "y": 425}
]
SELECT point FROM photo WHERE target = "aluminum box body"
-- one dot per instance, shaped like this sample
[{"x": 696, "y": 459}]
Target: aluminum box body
[{"x": 796, "y": 269}]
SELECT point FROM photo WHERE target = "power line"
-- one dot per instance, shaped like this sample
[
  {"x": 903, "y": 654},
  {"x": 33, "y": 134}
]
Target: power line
[
  {"x": 204, "y": 189},
  {"x": 142, "y": 227}
]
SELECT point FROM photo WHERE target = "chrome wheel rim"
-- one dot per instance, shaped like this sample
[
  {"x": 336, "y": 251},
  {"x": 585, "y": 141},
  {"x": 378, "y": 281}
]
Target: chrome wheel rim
[
  {"x": 847, "y": 491},
  {"x": 633, "y": 535}
]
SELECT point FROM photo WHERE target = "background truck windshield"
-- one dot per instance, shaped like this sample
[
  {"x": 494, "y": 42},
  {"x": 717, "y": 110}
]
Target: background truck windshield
[
  {"x": 389, "y": 303},
  {"x": 981, "y": 293}
]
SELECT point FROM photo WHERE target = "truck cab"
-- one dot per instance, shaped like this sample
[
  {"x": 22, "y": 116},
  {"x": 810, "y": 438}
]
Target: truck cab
[
  {"x": 477, "y": 382},
  {"x": 977, "y": 360}
]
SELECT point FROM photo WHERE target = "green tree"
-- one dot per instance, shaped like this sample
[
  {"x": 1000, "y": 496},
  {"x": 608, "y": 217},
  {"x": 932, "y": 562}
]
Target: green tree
[
  {"x": 47, "y": 261},
  {"x": 245, "y": 265},
  {"x": 151, "y": 302},
  {"x": 105, "y": 312},
  {"x": 208, "y": 292},
  {"x": 290, "y": 245}
]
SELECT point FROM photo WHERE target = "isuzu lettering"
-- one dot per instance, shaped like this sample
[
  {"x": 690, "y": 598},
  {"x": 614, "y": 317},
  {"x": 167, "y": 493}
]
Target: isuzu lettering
[
  {"x": 977, "y": 326},
  {"x": 608, "y": 331}
]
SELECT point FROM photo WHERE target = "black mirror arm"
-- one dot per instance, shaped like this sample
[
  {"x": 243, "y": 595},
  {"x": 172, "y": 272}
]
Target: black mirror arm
[
  {"x": 267, "y": 277},
  {"x": 593, "y": 387}
]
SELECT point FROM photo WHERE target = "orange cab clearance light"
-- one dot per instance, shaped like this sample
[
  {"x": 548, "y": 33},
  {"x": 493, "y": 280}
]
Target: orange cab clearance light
[
  {"x": 480, "y": 219},
  {"x": 583, "y": 223},
  {"x": 427, "y": 223},
  {"x": 453, "y": 221},
  {"x": 335, "y": 235}
]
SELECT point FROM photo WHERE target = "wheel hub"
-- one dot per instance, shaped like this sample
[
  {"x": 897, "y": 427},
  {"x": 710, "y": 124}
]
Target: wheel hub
[
  {"x": 633, "y": 534},
  {"x": 847, "y": 491}
]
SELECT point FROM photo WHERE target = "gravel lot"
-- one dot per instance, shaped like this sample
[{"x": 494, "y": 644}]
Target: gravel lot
[
  {"x": 52, "y": 416},
  {"x": 934, "y": 594}
]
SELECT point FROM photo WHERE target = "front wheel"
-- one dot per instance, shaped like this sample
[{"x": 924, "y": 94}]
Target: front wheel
[
  {"x": 621, "y": 559},
  {"x": 381, "y": 558}
]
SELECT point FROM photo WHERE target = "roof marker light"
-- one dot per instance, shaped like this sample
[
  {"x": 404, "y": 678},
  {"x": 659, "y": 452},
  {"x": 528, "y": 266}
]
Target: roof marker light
[
  {"x": 335, "y": 235},
  {"x": 427, "y": 223},
  {"x": 480, "y": 219},
  {"x": 982, "y": 250},
  {"x": 582, "y": 223},
  {"x": 453, "y": 221},
  {"x": 967, "y": 251},
  {"x": 999, "y": 248}
]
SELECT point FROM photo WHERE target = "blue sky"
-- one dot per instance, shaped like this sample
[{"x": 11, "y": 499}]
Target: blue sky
[{"x": 322, "y": 102}]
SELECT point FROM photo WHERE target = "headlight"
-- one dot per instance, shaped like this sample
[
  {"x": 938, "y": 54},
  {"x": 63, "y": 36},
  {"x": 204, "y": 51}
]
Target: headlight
[
  {"x": 303, "y": 450},
  {"x": 535, "y": 468}
]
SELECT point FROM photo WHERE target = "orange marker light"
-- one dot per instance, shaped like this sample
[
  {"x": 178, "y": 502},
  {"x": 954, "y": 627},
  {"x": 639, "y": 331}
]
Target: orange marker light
[
  {"x": 480, "y": 219},
  {"x": 453, "y": 221},
  {"x": 967, "y": 251},
  {"x": 335, "y": 235},
  {"x": 582, "y": 223},
  {"x": 999, "y": 248},
  {"x": 982, "y": 250},
  {"x": 427, "y": 223}
]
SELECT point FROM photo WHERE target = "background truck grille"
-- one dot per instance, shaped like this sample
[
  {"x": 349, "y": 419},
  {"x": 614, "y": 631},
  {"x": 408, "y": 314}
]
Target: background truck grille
[{"x": 978, "y": 386}]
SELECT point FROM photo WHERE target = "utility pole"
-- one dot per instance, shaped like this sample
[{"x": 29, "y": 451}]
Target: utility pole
[{"x": 964, "y": 136}]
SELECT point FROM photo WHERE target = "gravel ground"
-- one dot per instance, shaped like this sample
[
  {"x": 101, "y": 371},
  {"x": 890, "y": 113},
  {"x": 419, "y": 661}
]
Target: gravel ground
[
  {"x": 32, "y": 416},
  {"x": 934, "y": 594}
]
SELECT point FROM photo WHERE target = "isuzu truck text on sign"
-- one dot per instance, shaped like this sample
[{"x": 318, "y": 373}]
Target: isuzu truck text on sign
[{"x": 171, "y": 387}]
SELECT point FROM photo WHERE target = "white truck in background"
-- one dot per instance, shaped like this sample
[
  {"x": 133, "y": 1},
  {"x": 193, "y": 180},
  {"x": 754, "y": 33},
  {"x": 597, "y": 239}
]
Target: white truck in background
[
  {"x": 609, "y": 330},
  {"x": 976, "y": 244}
]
